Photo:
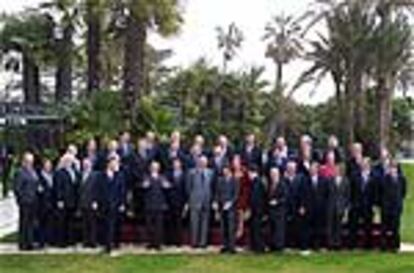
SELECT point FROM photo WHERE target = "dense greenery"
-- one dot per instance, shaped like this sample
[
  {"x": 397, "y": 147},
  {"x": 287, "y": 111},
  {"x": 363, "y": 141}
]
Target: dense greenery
[{"x": 92, "y": 46}]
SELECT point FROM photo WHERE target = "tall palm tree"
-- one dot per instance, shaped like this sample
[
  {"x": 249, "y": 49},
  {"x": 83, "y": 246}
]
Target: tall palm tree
[
  {"x": 65, "y": 14},
  {"x": 284, "y": 38},
  {"x": 136, "y": 17},
  {"x": 31, "y": 35},
  {"x": 230, "y": 41},
  {"x": 94, "y": 13}
]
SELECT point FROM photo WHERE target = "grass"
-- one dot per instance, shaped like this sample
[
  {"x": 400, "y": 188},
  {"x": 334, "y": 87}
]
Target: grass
[
  {"x": 407, "y": 224},
  {"x": 338, "y": 263}
]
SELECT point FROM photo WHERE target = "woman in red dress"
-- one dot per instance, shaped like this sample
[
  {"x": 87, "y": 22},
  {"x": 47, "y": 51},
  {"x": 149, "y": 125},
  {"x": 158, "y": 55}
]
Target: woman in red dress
[
  {"x": 240, "y": 173},
  {"x": 329, "y": 169}
]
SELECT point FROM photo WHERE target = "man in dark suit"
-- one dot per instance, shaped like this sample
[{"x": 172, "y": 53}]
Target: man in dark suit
[
  {"x": 393, "y": 191},
  {"x": 227, "y": 191},
  {"x": 362, "y": 202},
  {"x": 277, "y": 197},
  {"x": 292, "y": 181},
  {"x": 45, "y": 210},
  {"x": 152, "y": 147},
  {"x": 319, "y": 192},
  {"x": 173, "y": 150},
  {"x": 379, "y": 171},
  {"x": 126, "y": 154},
  {"x": 251, "y": 154},
  {"x": 338, "y": 204},
  {"x": 89, "y": 204},
  {"x": 257, "y": 207},
  {"x": 155, "y": 200},
  {"x": 276, "y": 158},
  {"x": 25, "y": 189},
  {"x": 177, "y": 198},
  {"x": 112, "y": 195},
  {"x": 66, "y": 190}
]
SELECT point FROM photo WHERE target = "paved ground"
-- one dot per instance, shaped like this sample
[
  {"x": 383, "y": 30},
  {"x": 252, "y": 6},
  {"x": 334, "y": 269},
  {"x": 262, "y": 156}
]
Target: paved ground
[{"x": 8, "y": 216}]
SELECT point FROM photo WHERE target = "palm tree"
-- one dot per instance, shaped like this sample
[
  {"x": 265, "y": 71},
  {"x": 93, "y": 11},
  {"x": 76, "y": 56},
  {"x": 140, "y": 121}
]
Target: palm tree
[
  {"x": 229, "y": 42},
  {"x": 65, "y": 13},
  {"x": 284, "y": 37},
  {"x": 393, "y": 51},
  {"x": 136, "y": 17},
  {"x": 31, "y": 35},
  {"x": 94, "y": 13}
]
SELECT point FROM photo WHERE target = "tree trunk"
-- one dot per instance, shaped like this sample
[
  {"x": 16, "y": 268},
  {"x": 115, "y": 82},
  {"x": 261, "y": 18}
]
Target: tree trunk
[
  {"x": 134, "y": 64},
  {"x": 384, "y": 112},
  {"x": 64, "y": 66},
  {"x": 279, "y": 78},
  {"x": 31, "y": 80},
  {"x": 350, "y": 113},
  {"x": 94, "y": 48},
  {"x": 359, "y": 107}
]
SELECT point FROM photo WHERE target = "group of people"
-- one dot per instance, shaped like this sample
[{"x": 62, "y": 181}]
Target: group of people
[{"x": 279, "y": 198}]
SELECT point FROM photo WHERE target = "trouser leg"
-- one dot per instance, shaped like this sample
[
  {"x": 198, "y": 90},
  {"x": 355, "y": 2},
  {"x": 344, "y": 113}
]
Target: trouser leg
[{"x": 205, "y": 218}]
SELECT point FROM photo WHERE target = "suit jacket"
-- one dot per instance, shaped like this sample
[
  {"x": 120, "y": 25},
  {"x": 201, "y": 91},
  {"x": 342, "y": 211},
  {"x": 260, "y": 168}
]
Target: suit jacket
[
  {"x": 26, "y": 187},
  {"x": 89, "y": 191},
  {"x": 277, "y": 197},
  {"x": 227, "y": 190},
  {"x": 176, "y": 195},
  {"x": 362, "y": 193},
  {"x": 112, "y": 191},
  {"x": 276, "y": 162},
  {"x": 252, "y": 158},
  {"x": 293, "y": 188},
  {"x": 257, "y": 197},
  {"x": 199, "y": 188},
  {"x": 339, "y": 194},
  {"x": 66, "y": 188},
  {"x": 155, "y": 198},
  {"x": 45, "y": 192},
  {"x": 167, "y": 157},
  {"x": 393, "y": 193},
  {"x": 316, "y": 195}
]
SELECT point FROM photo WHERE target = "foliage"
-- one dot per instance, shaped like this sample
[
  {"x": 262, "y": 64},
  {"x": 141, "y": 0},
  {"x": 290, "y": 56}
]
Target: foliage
[{"x": 100, "y": 115}]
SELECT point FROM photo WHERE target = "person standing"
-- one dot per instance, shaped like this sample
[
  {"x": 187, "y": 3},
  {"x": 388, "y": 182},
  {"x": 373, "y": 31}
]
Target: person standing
[
  {"x": 112, "y": 201},
  {"x": 65, "y": 189},
  {"x": 25, "y": 189},
  {"x": 89, "y": 204},
  {"x": 393, "y": 191},
  {"x": 199, "y": 189},
  {"x": 45, "y": 210},
  {"x": 177, "y": 198},
  {"x": 277, "y": 195},
  {"x": 155, "y": 200},
  {"x": 227, "y": 191},
  {"x": 338, "y": 204},
  {"x": 257, "y": 208}
]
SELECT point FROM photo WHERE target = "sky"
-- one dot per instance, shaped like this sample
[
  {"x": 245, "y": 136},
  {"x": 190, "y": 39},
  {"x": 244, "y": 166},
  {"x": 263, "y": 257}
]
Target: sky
[{"x": 198, "y": 36}]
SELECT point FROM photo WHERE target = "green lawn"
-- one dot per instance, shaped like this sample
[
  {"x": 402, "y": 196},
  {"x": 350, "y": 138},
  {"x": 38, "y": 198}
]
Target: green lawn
[
  {"x": 407, "y": 225},
  {"x": 338, "y": 263}
]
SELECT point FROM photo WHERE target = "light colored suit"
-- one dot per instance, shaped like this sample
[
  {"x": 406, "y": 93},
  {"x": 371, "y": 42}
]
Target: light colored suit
[{"x": 199, "y": 188}]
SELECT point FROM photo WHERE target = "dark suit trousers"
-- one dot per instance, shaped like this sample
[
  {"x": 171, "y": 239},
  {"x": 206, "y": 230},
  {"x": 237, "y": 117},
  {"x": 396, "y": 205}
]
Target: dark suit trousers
[
  {"x": 44, "y": 230},
  {"x": 256, "y": 234},
  {"x": 334, "y": 229},
  {"x": 360, "y": 218},
  {"x": 112, "y": 227},
  {"x": 391, "y": 229},
  {"x": 90, "y": 227},
  {"x": 65, "y": 227},
  {"x": 228, "y": 229},
  {"x": 277, "y": 220},
  {"x": 155, "y": 226},
  {"x": 303, "y": 230},
  {"x": 26, "y": 226},
  {"x": 174, "y": 225}
]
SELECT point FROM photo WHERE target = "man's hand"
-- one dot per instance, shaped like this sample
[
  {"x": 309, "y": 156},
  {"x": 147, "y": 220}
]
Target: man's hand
[
  {"x": 95, "y": 205},
  {"x": 227, "y": 205},
  {"x": 122, "y": 208},
  {"x": 60, "y": 204},
  {"x": 273, "y": 202},
  {"x": 302, "y": 211}
]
